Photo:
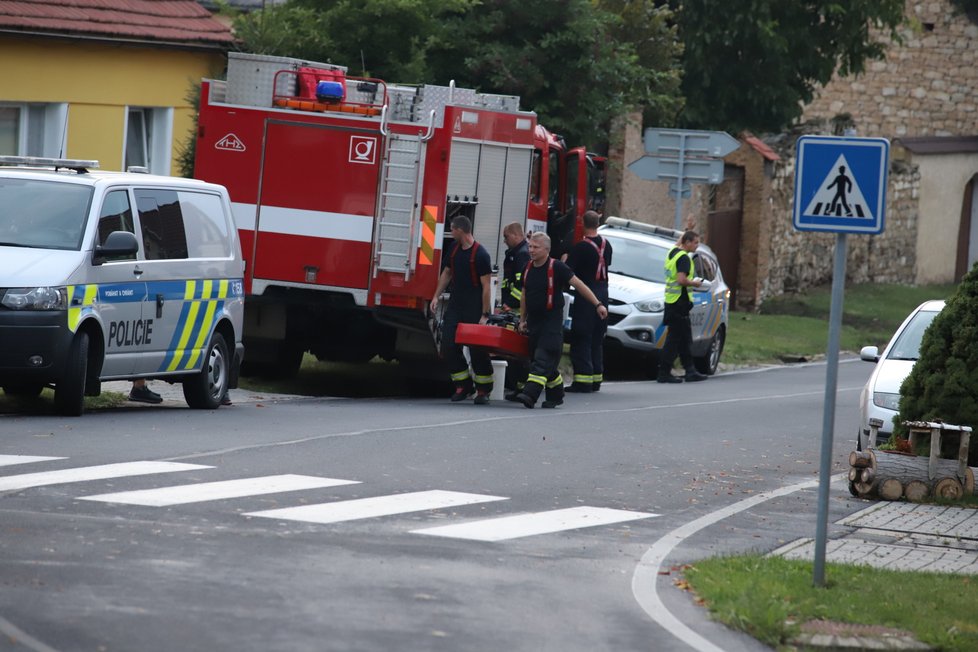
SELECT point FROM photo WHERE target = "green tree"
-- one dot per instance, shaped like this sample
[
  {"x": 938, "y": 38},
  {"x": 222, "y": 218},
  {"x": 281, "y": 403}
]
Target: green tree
[
  {"x": 944, "y": 381},
  {"x": 751, "y": 64},
  {"x": 571, "y": 61}
]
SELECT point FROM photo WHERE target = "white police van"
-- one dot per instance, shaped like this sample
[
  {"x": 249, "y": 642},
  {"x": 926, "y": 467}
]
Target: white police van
[{"x": 113, "y": 276}]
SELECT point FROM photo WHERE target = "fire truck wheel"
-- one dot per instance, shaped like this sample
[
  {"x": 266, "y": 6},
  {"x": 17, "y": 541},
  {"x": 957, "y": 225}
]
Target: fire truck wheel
[
  {"x": 69, "y": 392},
  {"x": 204, "y": 390}
]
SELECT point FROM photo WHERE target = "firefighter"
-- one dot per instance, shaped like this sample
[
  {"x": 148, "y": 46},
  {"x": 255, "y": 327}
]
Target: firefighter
[
  {"x": 514, "y": 263},
  {"x": 516, "y": 259},
  {"x": 468, "y": 268},
  {"x": 680, "y": 276},
  {"x": 590, "y": 259},
  {"x": 541, "y": 315}
]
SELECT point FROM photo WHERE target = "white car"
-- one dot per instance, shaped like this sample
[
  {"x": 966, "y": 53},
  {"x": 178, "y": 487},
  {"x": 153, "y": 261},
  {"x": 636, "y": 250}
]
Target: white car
[
  {"x": 880, "y": 398},
  {"x": 636, "y": 293}
]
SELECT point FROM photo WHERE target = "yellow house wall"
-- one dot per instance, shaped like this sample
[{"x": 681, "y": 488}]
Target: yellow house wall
[
  {"x": 98, "y": 81},
  {"x": 942, "y": 182}
]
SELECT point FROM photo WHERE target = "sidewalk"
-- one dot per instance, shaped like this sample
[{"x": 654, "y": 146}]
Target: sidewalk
[
  {"x": 172, "y": 394},
  {"x": 897, "y": 536}
]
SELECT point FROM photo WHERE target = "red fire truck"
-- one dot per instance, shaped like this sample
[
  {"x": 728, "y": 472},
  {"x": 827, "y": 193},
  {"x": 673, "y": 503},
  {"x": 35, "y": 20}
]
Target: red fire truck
[{"x": 343, "y": 190}]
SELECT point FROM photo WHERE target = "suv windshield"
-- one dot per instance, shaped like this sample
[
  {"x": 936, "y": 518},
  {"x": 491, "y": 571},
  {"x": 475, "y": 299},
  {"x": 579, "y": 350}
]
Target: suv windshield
[
  {"x": 907, "y": 345},
  {"x": 637, "y": 259},
  {"x": 42, "y": 214}
]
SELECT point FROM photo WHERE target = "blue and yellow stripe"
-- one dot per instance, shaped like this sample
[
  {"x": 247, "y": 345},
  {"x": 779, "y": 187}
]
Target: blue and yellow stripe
[{"x": 202, "y": 300}]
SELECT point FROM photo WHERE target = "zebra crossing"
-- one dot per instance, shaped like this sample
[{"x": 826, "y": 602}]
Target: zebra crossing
[{"x": 493, "y": 529}]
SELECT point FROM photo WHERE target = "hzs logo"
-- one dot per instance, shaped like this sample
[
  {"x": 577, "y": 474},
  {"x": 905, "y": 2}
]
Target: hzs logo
[{"x": 363, "y": 150}]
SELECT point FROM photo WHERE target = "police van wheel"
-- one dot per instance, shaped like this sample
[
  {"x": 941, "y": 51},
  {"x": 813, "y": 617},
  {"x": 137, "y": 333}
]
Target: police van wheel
[
  {"x": 69, "y": 392},
  {"x": 204, "y": 390},
  {"x": 23, "y": 390}
]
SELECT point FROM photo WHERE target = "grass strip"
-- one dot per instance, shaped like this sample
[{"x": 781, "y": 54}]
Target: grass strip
[{"x": 769, "y": 597}]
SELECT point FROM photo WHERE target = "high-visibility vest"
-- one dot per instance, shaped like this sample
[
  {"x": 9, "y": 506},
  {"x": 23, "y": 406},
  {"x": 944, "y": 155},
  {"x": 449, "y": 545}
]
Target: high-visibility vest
[{"x": 673, "y": 289}]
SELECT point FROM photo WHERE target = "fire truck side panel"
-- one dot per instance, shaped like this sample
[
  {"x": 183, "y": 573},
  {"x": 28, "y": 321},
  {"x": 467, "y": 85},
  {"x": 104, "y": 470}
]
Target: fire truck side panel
[{"x": 318, "y": 196}]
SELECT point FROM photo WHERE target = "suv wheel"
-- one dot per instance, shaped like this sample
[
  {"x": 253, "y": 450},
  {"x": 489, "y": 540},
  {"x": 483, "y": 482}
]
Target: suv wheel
[
  {"x": 708, "y": 363},
  {"x": 205, "y": 389}
]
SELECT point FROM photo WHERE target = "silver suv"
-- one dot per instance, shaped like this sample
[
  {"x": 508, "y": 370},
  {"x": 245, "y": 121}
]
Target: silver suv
[
  {"x": 636, "y": 289},
  {"x": 111, "y": 276}
]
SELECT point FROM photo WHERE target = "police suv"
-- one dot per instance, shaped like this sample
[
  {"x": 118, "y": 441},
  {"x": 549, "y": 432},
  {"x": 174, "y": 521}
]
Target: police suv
[
  {"x": 111, "y": 276},
  {"x": 636, "y": 295}
]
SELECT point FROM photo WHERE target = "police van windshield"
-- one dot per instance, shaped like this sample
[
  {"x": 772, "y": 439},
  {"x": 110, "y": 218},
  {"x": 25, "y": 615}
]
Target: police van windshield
[
  {"x": 637, "y": 259},
  {"x": 42, "y": 214}
]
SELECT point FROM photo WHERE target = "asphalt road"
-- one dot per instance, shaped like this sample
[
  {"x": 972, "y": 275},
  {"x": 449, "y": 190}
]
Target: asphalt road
[{"x": 107, "y": 574}]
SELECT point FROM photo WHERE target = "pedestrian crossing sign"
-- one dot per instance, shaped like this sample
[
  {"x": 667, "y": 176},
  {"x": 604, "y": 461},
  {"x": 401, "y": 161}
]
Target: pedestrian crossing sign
[{"x": 840, "y": 184}]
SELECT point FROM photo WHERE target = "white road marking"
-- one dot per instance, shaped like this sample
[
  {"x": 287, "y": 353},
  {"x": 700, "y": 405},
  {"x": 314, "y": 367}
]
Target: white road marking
[
  {"x": 525, "y": 525},
  {"x": 351, "y": 510},
  {"x": 9, "y": 460},
  {"x": 101, "y": 472},
  {"x": 202, "y": 492},
  {"x": 646, "y": 575}
]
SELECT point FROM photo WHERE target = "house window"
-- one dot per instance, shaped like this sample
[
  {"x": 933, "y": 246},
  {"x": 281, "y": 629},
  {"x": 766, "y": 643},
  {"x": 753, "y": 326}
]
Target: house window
[
  {"x": 149, "y": 134},
  {"x": 33, "y": 129}
]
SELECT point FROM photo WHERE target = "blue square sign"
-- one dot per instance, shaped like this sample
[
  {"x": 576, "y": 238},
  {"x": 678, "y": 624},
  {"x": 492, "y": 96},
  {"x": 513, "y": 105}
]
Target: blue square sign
[{"x": 840, "y": 184}]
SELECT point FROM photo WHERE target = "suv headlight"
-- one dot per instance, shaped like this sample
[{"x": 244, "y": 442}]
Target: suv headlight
[
  {"x": 46, "y": 298},
  {"x": 886, "y": 400},
  {"x": 652, "y": 305}
]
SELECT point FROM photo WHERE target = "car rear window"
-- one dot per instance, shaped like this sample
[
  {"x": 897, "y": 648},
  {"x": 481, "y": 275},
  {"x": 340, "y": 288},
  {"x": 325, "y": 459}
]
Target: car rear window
[{"x": 43, "y": 214}]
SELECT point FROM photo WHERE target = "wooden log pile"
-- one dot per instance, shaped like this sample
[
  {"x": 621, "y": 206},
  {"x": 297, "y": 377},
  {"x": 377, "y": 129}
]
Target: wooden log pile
[{"x": 891, "y": 475}]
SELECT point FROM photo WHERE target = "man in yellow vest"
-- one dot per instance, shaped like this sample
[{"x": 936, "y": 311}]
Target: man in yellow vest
[{"x": 680, "y": 276}]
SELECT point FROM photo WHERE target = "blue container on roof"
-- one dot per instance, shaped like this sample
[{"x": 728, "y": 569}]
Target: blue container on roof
[{"x": 329, "y": 91}]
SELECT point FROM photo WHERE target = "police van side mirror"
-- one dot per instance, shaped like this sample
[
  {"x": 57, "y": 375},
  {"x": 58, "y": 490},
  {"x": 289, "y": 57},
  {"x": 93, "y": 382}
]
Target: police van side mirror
[{"x": 119, "y": 244}]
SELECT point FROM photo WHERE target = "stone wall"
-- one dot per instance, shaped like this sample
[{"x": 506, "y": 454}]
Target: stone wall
[
  {"x": 925, "y": 86},
  {"x": 793, "y": 261}
]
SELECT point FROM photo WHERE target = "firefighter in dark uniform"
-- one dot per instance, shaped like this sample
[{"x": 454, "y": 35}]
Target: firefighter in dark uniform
[
  {"x": 590, "y": 259},
  {"x": 541, "y": 315},
  {"x": 515, "y": 261},
  {"x": 514, "y": 264},
  {"x": 468, "y": 268},
  {"x": 680, "y": 276}
]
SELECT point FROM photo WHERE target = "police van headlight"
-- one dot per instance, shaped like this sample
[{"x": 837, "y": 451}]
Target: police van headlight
[
  {"x": 46, "y": 298},
  {"x": 652, "y": 305}
]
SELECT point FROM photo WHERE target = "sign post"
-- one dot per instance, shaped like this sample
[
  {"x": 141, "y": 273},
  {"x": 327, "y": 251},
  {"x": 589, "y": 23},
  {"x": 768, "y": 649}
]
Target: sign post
[
  {"x": 683, "y": 156},
  {"x": 840, "y": 187}
]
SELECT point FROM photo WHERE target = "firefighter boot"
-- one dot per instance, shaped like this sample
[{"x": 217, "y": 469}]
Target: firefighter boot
[
  {"x": 578, "y": 387},
  {"x": 482, "y": 394},
  {"x": 596, "y": 381},
  {"x": 463, "y": 390},
  {"x": 555, "y": 396},
  {"x": 692, "y": 375},
  {"x": 529, "y": 394}
]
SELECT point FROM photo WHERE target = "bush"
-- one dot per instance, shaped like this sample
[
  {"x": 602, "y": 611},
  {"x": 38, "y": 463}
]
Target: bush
[{"x": 943, "y": 385}]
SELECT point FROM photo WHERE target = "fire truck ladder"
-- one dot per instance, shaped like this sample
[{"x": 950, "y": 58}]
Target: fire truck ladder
[{"x": 396, "y": 225}]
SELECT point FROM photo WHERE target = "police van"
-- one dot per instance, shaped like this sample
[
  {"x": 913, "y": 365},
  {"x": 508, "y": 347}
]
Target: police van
[{"x": 116, "y": 276}]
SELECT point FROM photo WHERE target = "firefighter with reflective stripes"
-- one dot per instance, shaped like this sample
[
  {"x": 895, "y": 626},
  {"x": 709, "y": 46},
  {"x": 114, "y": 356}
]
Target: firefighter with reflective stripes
[
  {"x": 514, "y": 263},
  {"x": 680, "y": 276},
  {"x": 590, "y": 259},
  {"x": 541, "y": 315},
  {"x": 468, "y": 269}
]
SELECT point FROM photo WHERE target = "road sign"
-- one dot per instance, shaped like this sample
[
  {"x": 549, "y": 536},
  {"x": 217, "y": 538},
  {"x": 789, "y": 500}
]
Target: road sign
[
  {"x": 669, "y": 142},
  {"x": 840, "y": 184},
  {"x": 691, "y": 170}
]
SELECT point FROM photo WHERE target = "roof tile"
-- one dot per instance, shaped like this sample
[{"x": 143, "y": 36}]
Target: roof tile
[{"x": 181, "y": 21}]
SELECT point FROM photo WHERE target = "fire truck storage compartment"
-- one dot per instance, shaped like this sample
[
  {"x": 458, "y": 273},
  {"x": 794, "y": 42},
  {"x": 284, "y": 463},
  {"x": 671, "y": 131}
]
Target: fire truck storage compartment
[
  {"x": 315, "y": 218},
  {"x": 252, "y": 78},
  {"x": 496, "y": 178}
]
